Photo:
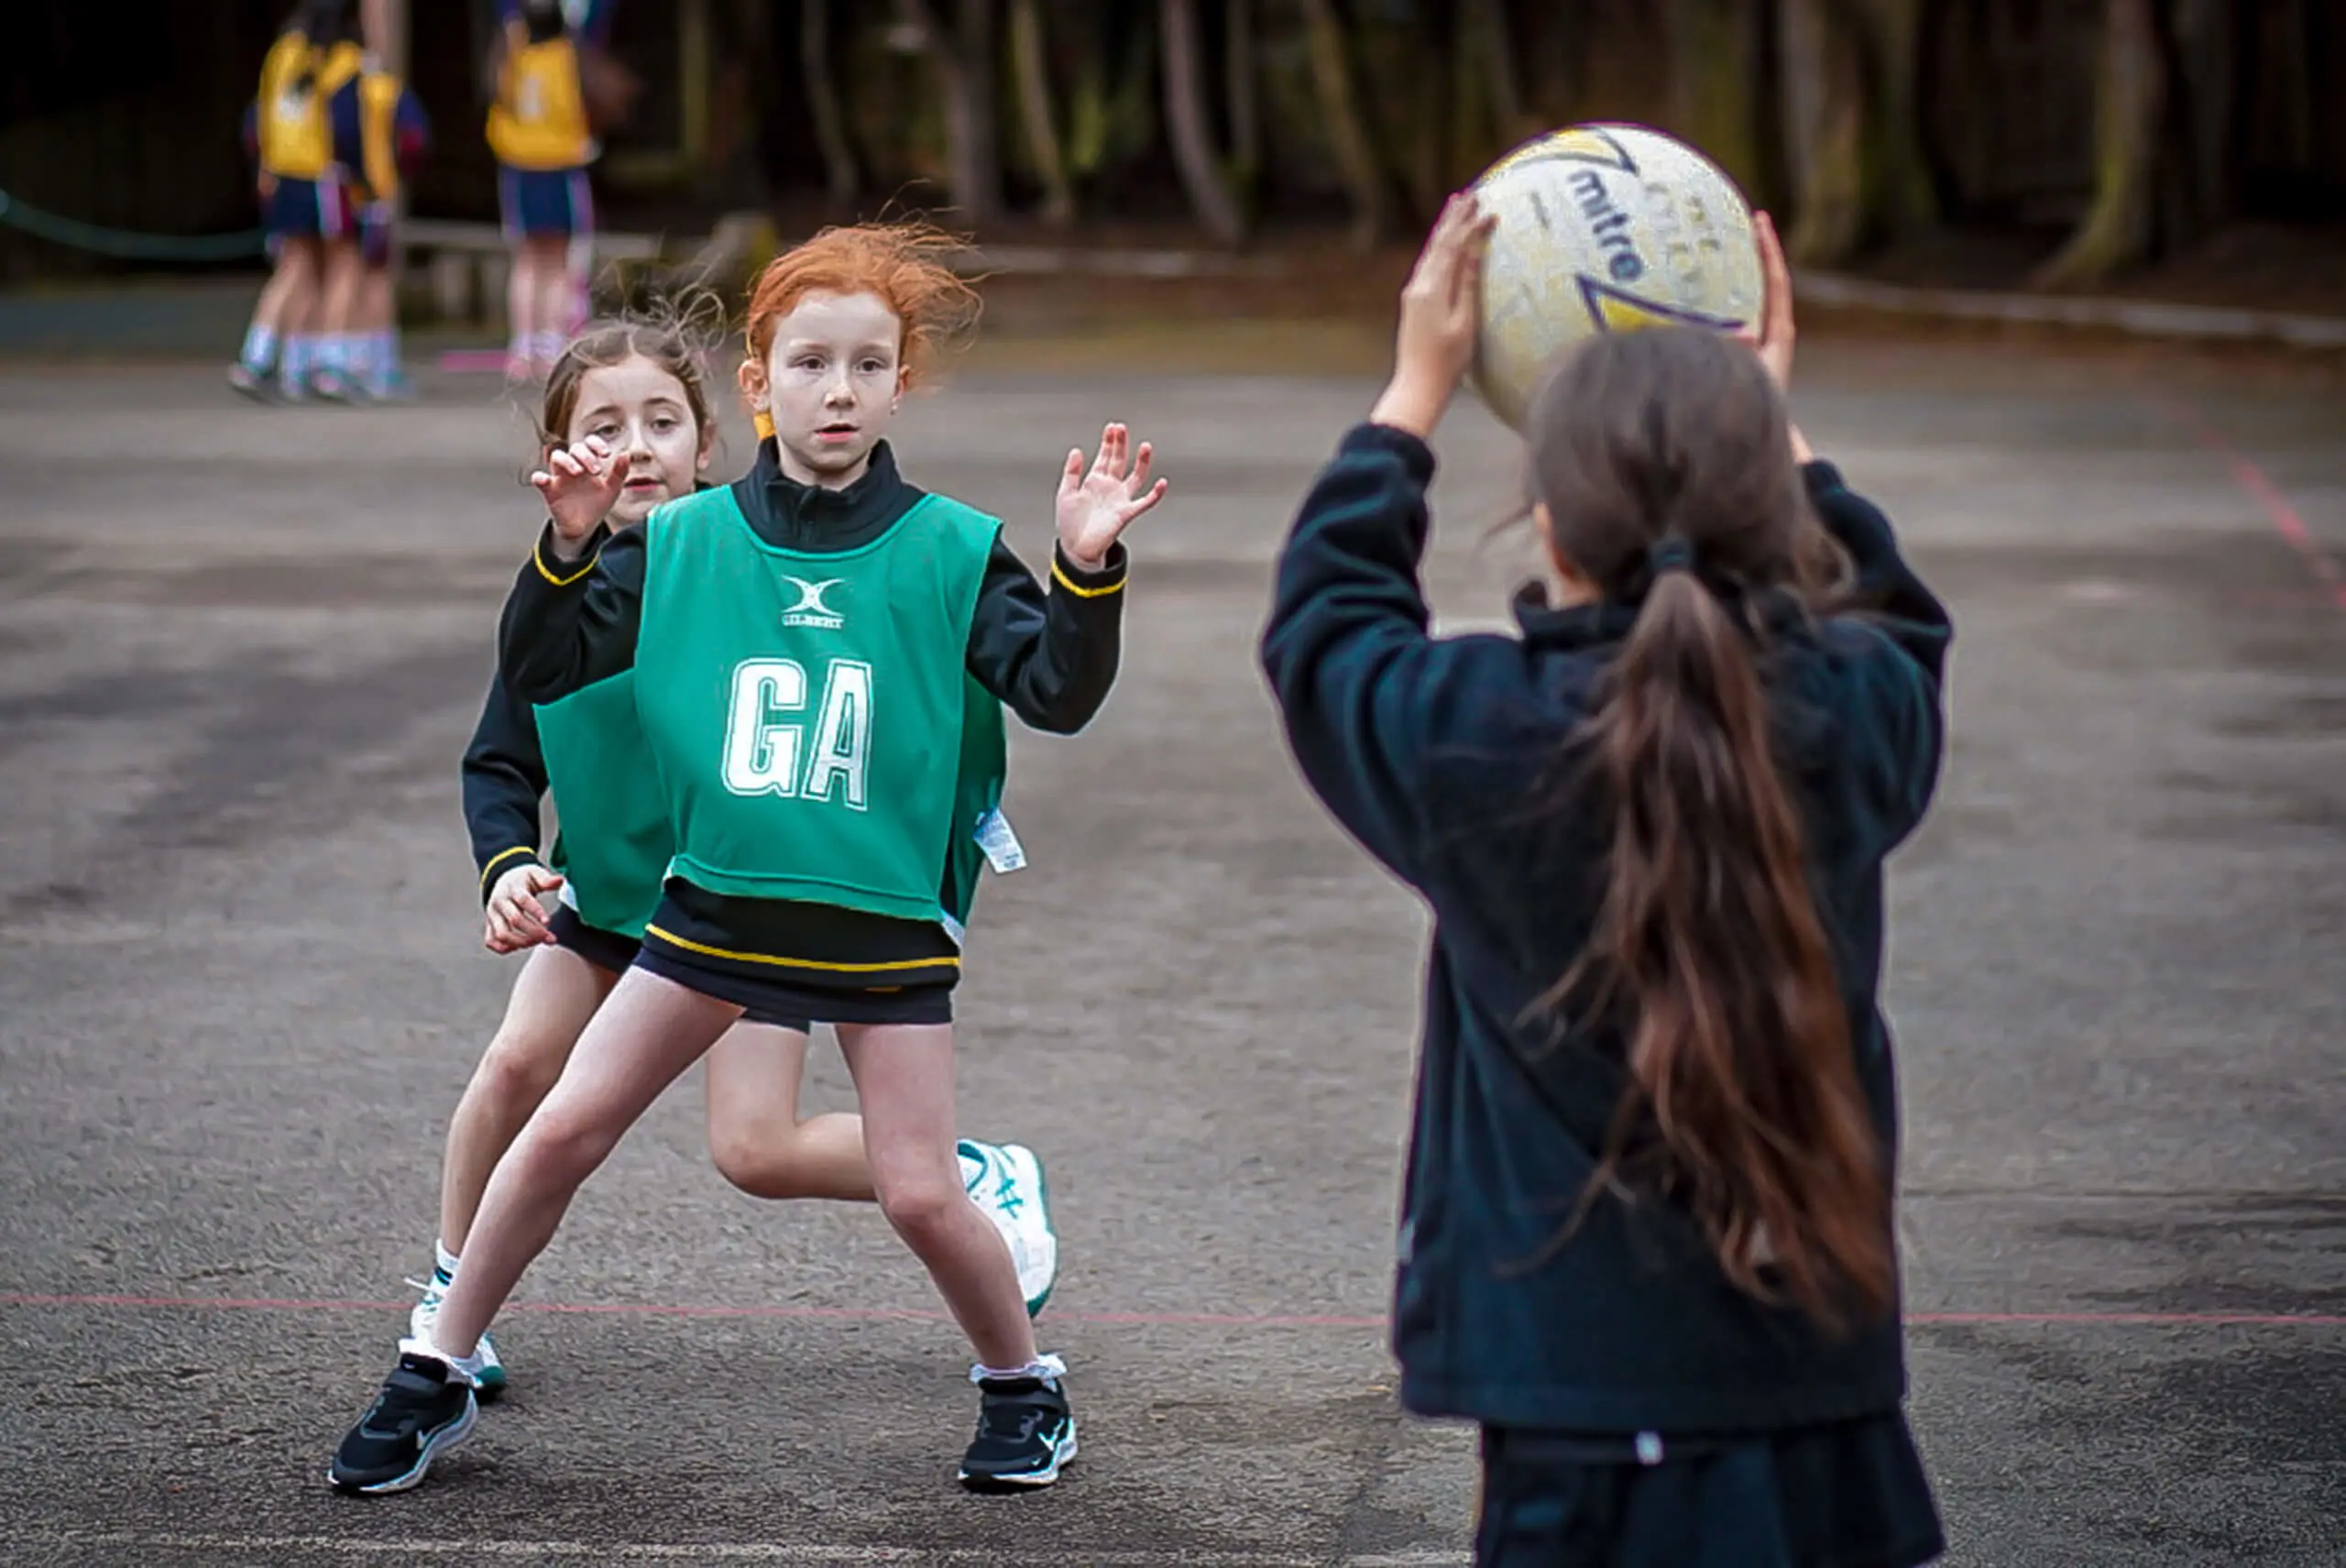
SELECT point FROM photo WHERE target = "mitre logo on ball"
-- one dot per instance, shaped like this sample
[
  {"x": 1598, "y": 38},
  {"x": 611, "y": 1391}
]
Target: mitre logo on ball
[{"x": 1605, "y": 228}]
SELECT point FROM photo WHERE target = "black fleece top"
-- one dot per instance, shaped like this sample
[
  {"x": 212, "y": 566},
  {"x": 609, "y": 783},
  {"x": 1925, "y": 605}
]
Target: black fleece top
[{"x": 1433, "y": 753}]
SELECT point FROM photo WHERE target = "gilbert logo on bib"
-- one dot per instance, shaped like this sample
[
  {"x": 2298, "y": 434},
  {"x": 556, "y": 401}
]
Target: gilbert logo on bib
[{"x": 812, "y": 609}]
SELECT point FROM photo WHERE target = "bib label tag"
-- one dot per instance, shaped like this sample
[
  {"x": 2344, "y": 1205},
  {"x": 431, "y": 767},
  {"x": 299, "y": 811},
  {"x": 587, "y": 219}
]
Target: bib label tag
[{"x": 994, "y": 836}]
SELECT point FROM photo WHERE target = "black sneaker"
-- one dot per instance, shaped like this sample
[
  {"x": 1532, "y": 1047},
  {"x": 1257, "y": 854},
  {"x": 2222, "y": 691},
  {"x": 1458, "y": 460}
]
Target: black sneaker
[
  {"x": 1025, "y": 1434},
  {"x": 426, "y": 1406}
]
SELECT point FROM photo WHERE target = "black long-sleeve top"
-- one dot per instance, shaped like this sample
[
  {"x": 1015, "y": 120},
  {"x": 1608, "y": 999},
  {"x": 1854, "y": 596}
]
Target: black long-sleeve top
[
  {"x": 1437, "y": 754},
  {"x": 1049, "y": 657},
  {"x": 504, "y": 779}
]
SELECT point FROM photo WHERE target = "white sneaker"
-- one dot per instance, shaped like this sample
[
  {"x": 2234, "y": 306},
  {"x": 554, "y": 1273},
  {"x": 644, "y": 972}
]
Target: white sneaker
[
  {"x": 488, "y": 1380},
  {"x": 1005, "y": 1180}
]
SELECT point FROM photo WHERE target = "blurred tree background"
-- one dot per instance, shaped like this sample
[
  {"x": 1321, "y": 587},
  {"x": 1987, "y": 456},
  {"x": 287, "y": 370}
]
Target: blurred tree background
[{"x": 2069, "y": 140}]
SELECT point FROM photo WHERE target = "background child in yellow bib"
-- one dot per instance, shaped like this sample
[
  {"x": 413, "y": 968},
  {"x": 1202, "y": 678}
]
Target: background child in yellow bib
[
  {"x": 539, "y": 131},
  {"x": 303, "y": 207}
]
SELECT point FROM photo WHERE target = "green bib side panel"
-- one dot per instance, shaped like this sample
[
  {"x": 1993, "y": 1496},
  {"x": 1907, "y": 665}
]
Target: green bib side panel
[{"x": 615, "y": 843}]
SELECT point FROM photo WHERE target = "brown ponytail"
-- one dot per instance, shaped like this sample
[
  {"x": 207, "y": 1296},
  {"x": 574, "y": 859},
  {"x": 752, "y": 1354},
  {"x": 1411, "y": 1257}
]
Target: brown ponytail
[{"x": 1664, "y": 461}]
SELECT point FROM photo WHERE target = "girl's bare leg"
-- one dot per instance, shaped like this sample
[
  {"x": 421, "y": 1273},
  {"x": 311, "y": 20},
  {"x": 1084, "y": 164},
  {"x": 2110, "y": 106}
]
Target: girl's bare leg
[
  {"x": 648, "y": 1031},
  {"x": 338, "y": 304},
  {"x": 554, "y": 998},
  {"x": 904, "y": 1077},
  {"x": 298, "y": 310},
  {"x": 521, "y": 308},
  {"x": 754, "y": 1135},
  {"x": 552, "y": 309}
]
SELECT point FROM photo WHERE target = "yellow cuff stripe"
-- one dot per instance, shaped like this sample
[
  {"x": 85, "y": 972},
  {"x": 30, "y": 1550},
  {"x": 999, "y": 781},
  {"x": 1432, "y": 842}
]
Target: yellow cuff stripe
[
  {"x": 498, "y": 860},
  {"x": 898, "y": 967},
  {"x": 1079, "y": 590},
  {"x": 548, "y": 573}
]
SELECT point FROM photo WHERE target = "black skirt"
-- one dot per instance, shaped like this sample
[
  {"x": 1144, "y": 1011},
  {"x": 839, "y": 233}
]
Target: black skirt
[
  {"x": 614, "y": 953},
  {"x": 1851, "y": 1495},
  {"x": 769, "y": 998}
]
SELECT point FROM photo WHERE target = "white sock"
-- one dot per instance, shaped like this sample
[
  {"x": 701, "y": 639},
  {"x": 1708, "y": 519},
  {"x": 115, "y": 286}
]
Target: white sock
[
  {"x": 972, "y": 1169},
  {"x": 469, "y": 1367},
  {"x": 1047, "y": 1367},
  {"x": 359, "y": 348},
  {"x": 301, "y": 357},
  {"x": 260, "y": 348},
  {"x": 446, "y": 1259}
]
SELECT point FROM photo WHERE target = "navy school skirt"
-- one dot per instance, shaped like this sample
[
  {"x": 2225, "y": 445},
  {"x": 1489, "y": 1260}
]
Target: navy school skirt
[
  {"x": 1851, "y": 1495},
  {"x": 614, "y": 954}
]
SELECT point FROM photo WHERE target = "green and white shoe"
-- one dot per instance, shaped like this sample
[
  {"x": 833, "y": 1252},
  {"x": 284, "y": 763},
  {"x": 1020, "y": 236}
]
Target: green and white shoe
[
  {"x": 489, "y": 1382},
  {"x": 1005, "y": 1180}
]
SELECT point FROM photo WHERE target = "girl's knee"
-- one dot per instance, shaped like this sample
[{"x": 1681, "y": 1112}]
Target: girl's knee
[
  {"x": 563, "y": 1144},
  {"x": 922, "y": 1206},
  {"x": 764, "y": 1167},
  {"x": 521, "y": 1066}
]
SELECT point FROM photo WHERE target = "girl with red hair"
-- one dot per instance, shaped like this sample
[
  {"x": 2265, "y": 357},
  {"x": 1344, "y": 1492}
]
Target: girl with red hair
[{"x": 821, "y": 653}]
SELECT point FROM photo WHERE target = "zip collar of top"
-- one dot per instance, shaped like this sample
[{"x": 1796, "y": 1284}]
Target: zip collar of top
[
  {"x": 808, "y": 517},
  {"x": 1609, "y": 622},
  {"x": 1581, "y": 626}
]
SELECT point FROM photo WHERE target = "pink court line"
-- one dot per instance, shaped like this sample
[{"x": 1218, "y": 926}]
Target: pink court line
[
  {"x": 1141, "y": 1320},
  {"x": 473, "y": 361},
  {"x": 2276, "y": 507},
  {"x": 659, "y": 1310}
]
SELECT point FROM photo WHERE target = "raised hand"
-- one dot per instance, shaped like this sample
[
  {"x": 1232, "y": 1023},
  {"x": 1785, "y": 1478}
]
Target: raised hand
[
  {"x": 1440, "y": 315},
  {"x": 1095, "y": 508},
  {"x": 580, "y": 484},
  {"x": 1772, "y": 338},
  {"x": 516, "y": 920}
]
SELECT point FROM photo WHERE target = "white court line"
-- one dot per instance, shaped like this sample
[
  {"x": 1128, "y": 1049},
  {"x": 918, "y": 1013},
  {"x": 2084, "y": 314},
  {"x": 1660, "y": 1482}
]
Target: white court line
[{"x": 708, "y": 1552}]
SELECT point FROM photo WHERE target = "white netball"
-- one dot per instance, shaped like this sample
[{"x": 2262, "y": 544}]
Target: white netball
[{"x": 1605, "y": 228}]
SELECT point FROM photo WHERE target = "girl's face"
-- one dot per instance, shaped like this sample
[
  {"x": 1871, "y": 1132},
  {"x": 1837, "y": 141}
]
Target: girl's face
[
  {"x": 641, "y": 409},
  {"x": 832, "y": 380}
]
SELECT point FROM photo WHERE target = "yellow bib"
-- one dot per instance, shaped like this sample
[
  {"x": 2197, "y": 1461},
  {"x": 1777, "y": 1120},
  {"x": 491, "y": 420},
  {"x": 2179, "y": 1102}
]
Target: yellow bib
[
  {"x": 379, "y": 108},
  {"x": 296, "y": 143},
  {"x": 538, "y": 121}
]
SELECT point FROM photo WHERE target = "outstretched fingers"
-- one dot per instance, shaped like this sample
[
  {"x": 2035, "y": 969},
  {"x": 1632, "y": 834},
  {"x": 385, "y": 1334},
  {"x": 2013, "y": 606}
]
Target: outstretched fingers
[
  {"x": 1140, "y": 503},
  {"x": 1778, "y": 273},
  {"x": 1113, "y": 439}
]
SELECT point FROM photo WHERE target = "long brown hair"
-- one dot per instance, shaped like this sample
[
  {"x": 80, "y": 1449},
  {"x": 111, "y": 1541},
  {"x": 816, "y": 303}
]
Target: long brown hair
[{"x": 1663, "y": 459}]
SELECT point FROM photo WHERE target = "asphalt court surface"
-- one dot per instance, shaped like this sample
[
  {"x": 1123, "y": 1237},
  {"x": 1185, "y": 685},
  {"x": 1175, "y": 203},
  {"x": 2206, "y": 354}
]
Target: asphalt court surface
[{"x": 240, "y": 651}]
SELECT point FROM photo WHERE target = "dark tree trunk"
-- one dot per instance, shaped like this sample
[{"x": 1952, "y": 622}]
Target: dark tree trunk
[
  {"x": 1825, "y": 123},
  {"x": 966, "y": 64},
  {"x": 1489, "y": 50},
  {"x": 842, "y": 180},
  {"x": 1037, "y": 112},
  {"x": 1850, "y": 114},
  {"x": 1337, "y": 86},
  {"x": 1189, "y": 122},
  {"x": 1714, "y": 76},
  {"x": 1241, "y": 83},
  {"x": 2131, "y": 93}
]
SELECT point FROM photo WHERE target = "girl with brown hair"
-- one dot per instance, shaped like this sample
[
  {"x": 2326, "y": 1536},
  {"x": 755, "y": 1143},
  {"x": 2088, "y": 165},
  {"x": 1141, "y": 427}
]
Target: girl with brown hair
[{"x": 1647, "y": 1236}]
